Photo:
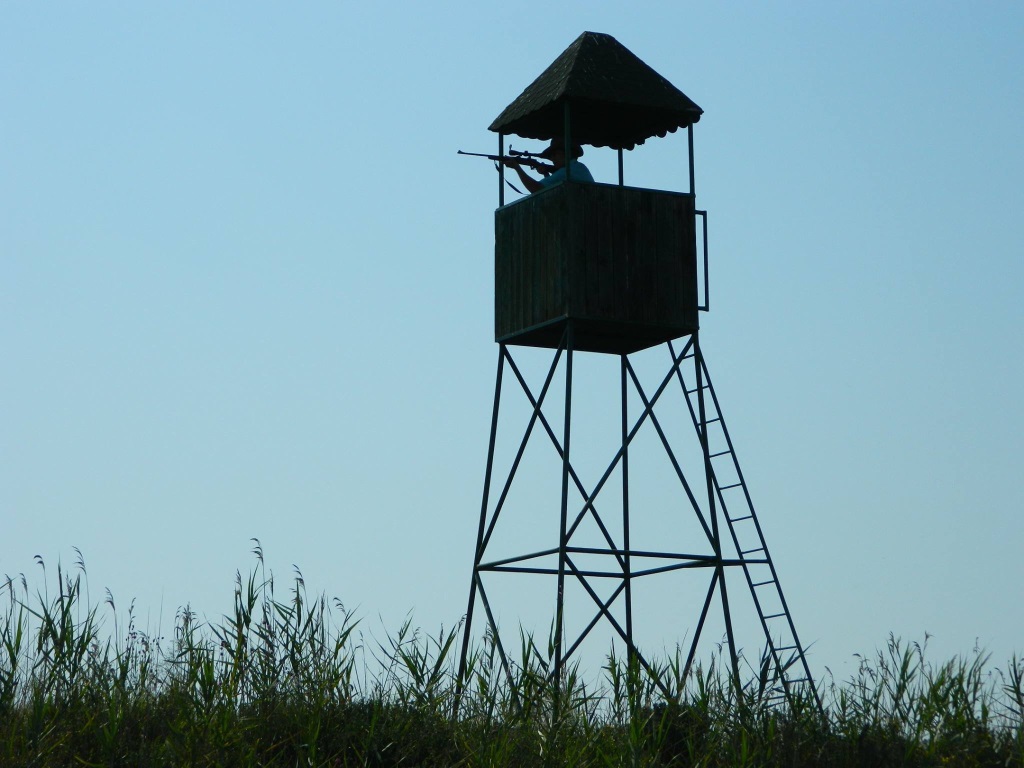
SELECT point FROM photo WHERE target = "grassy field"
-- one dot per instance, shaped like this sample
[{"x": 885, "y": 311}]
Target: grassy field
[{"x": 289, "y": 681}]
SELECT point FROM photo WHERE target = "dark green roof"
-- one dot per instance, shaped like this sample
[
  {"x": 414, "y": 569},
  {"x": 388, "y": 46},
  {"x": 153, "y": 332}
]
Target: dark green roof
[{"x": 615, "y": 99}]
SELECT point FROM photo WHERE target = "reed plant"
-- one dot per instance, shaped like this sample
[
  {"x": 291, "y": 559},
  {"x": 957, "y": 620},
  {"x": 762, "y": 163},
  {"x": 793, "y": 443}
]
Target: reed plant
[{"x": 286, "y": 679}]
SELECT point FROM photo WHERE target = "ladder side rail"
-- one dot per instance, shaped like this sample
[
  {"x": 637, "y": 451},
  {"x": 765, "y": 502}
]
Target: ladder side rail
[
  {"x": 731, "y": 521},
  {"x": 717, "y": 417},
  {"x": 765, "y": 560},
  {"x": 773, "y": 649},
  {"x": 711, "y": 484},
  {"x": 764, "y": 547},
  {"x": 761, "y": 612}
]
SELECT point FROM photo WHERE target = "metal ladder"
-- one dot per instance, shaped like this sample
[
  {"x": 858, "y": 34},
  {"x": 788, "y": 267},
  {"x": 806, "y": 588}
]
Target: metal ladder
[{"x": 784, "y": 669}]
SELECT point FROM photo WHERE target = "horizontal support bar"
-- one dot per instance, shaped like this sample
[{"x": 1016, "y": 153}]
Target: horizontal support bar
[
  {"x": 676, "y": 567},
  {"x": 553, "y": 572},
  {"x": 519, "y": 558},
  {"x": 598, "y": 551},
  {"x": 638, "y": 553},
  {"x": 619, "y": 574},
  {"x": 680, "y": 566}
]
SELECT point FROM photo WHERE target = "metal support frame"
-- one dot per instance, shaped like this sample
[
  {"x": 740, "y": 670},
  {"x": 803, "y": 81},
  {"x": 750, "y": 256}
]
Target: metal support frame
[
  {"x": 501, "y": 171},
  {"x": 689, "y": 143},
  {"x": 625, "y": 565}
]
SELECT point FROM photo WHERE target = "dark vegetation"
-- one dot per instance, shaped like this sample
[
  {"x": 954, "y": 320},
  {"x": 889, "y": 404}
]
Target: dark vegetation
[{"x": 290, "y": 682}]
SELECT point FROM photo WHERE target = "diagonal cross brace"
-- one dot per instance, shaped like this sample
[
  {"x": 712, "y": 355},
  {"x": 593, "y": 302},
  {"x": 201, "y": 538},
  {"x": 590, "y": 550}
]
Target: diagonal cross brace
[
  {"x": 603, "y": 611},
  {"x": 558, "y": 448},
  {"x": 649, "y": 408},
  {"x": 648, "y": 412},
  {"x": 537, "y": 405}
]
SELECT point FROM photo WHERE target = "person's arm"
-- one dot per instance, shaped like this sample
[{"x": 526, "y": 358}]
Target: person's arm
[{"x": 517, "y": 163}]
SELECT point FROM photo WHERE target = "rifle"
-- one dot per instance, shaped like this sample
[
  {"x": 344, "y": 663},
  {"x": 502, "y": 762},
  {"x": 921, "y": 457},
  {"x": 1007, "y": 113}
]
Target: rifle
[{"x": 523, "y": 158}]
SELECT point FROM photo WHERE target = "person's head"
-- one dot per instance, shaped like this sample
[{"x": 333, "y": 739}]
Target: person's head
[{"x": 556, "y": 152}]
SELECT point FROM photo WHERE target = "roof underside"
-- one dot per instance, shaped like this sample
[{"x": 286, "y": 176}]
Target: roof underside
[{"x": 615, "y": 99}]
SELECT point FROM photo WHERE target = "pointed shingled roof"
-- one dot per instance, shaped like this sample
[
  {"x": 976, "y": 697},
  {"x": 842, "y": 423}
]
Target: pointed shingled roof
[{"x": 615, "y": 99}]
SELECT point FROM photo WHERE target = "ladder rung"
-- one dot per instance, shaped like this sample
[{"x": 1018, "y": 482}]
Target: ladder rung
[
  {"x": 785, "y": 648},
  {"x": 762, "y": 583},
  {"x": 774, "y": 616},
  {"x": 691, "y": 391},
  {"x": 727, "y": 487},
  {"x": 748, "y": 551},
  {"x": 720, "y": 453},
  {"x": 712, "y": 421},
  {"x": 740, "y": 519}
]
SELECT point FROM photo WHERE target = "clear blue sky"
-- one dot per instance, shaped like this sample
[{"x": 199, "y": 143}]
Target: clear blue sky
[{"x": 246, "y": 291}]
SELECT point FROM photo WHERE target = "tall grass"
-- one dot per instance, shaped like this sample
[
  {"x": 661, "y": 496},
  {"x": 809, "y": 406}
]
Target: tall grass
[{"x": 287, "y": 680}]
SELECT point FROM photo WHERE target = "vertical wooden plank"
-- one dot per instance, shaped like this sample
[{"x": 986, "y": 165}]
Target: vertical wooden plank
[
  {"x": 502, "y": 301},
  {"x": 660, "y": 264},
  {"x": 576, "y": 229},
  {"x": 629, "y": 238},
  {"x": 618, "y": 254}
]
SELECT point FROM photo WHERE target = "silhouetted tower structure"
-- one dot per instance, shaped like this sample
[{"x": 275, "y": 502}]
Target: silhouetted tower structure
[{"x": 613, "y": 270}]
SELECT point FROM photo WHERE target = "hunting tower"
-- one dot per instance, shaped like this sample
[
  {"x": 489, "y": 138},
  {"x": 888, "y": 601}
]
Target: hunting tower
[{"x": 611, "y": 270}]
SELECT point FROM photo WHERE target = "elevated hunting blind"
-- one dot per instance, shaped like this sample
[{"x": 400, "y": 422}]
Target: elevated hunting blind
[
  {"x": 587, "y": 267},
  {"x": 620, "y": 262}
]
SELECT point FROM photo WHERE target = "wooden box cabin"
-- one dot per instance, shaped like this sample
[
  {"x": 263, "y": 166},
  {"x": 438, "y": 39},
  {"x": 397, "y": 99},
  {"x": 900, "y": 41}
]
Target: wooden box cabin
[{"x": 619, "y": 262}]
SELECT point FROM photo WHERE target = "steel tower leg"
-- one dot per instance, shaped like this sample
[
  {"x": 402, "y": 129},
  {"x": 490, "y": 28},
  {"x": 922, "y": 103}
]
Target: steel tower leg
[
  {"x": 563, "y": 539},
  {"x": 478, "y": 551},
  {"x": 624, "y": 463}
]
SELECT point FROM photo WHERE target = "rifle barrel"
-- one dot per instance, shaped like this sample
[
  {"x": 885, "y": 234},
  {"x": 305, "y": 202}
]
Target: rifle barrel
[{"x": 480, "y": 154}]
